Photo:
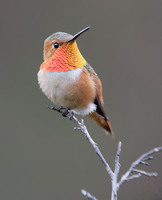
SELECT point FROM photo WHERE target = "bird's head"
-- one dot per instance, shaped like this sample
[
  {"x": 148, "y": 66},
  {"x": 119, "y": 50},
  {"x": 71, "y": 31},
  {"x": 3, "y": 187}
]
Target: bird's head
[{"x": 61, "y": 52}]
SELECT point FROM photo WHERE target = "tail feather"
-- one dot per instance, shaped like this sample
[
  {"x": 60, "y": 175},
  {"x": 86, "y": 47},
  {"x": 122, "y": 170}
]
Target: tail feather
[{"x": 101, "y": 121}]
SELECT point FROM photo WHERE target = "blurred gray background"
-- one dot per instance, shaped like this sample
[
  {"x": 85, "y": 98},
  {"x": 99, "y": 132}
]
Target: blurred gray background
[{"x": 41, "y": 156}]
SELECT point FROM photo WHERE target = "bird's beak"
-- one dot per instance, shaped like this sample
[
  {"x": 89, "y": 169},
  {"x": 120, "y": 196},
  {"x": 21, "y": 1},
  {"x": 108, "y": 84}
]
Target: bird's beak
[{"x": 78, "y": 34}]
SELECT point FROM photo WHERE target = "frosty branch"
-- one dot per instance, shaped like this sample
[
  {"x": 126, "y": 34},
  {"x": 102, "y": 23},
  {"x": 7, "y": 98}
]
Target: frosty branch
[{"x": 132, "y": 172}]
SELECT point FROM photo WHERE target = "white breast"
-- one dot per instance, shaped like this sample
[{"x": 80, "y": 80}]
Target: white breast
[{"x": 54, "y": 84}]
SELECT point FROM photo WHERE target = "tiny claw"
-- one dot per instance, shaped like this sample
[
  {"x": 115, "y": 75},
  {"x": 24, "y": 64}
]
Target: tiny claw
[
  {"x": 66, "y": 112},
  {"x": 51, "y": 108},
  {"x": 61, "y": 108},
  {"x": 56, "y": 109}
]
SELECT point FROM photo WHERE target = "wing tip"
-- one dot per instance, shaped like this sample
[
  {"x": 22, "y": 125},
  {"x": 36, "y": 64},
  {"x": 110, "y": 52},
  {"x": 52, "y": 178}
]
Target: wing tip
[{"x": 108, "y": 129}]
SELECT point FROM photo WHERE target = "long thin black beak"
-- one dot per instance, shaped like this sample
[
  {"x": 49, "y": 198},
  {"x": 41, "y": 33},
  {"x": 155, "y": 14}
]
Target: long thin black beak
[{"x": 78, "y": 34}]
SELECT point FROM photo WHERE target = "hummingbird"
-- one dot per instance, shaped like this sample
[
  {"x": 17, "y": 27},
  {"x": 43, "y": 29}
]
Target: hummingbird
[{"x": 68, "y": 80}]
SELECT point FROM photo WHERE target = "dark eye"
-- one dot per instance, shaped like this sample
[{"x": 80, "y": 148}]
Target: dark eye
[{"x": 55, "y": 45}]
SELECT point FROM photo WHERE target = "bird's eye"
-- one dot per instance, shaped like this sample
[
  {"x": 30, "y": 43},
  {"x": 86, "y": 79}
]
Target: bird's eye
[{"x": 55, "y": 45}]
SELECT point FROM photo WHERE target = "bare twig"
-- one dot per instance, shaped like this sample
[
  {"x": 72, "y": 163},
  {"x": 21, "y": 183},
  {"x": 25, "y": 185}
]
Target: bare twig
[
  {"x": 134, "y": 176},
  {"x": 88, "y": 195},
  {"x": 82, "y": 127},
  {"x": 145, "y": 173},
  {"x": 142, "y": 160},
  {"x": 116, "y": 173},
  {"x": 84, "y": 130}
]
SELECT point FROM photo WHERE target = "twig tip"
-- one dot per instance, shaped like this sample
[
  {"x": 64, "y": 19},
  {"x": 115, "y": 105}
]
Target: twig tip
[{"x": 83, "y": 192}]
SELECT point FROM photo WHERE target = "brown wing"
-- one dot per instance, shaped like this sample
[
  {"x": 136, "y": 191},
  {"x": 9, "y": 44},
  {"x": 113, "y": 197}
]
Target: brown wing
[
  {"x": 96, "y": 80},
  {"x": 98, "y": 99},
  {"x": 100, "y": 115}
]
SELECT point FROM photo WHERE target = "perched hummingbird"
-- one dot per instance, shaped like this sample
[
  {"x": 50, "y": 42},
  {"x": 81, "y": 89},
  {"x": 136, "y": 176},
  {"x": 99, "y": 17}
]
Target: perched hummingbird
[{"x": 68, "y": 80}]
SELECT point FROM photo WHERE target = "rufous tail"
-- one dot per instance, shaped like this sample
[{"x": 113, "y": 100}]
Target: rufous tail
[{"x": 101, "y": 121}]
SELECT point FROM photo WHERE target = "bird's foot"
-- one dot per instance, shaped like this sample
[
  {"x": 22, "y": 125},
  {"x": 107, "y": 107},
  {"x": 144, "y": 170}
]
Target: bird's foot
[
  {"x": 66, "y": 112},
  {"x": 56, "y": 109},
  {"x": 61, "y": 108},
  {"x": 52, "y": 108}
]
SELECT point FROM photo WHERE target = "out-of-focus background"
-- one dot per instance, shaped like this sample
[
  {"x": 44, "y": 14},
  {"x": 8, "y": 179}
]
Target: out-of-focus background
[{"x": 41, "y": 156}]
